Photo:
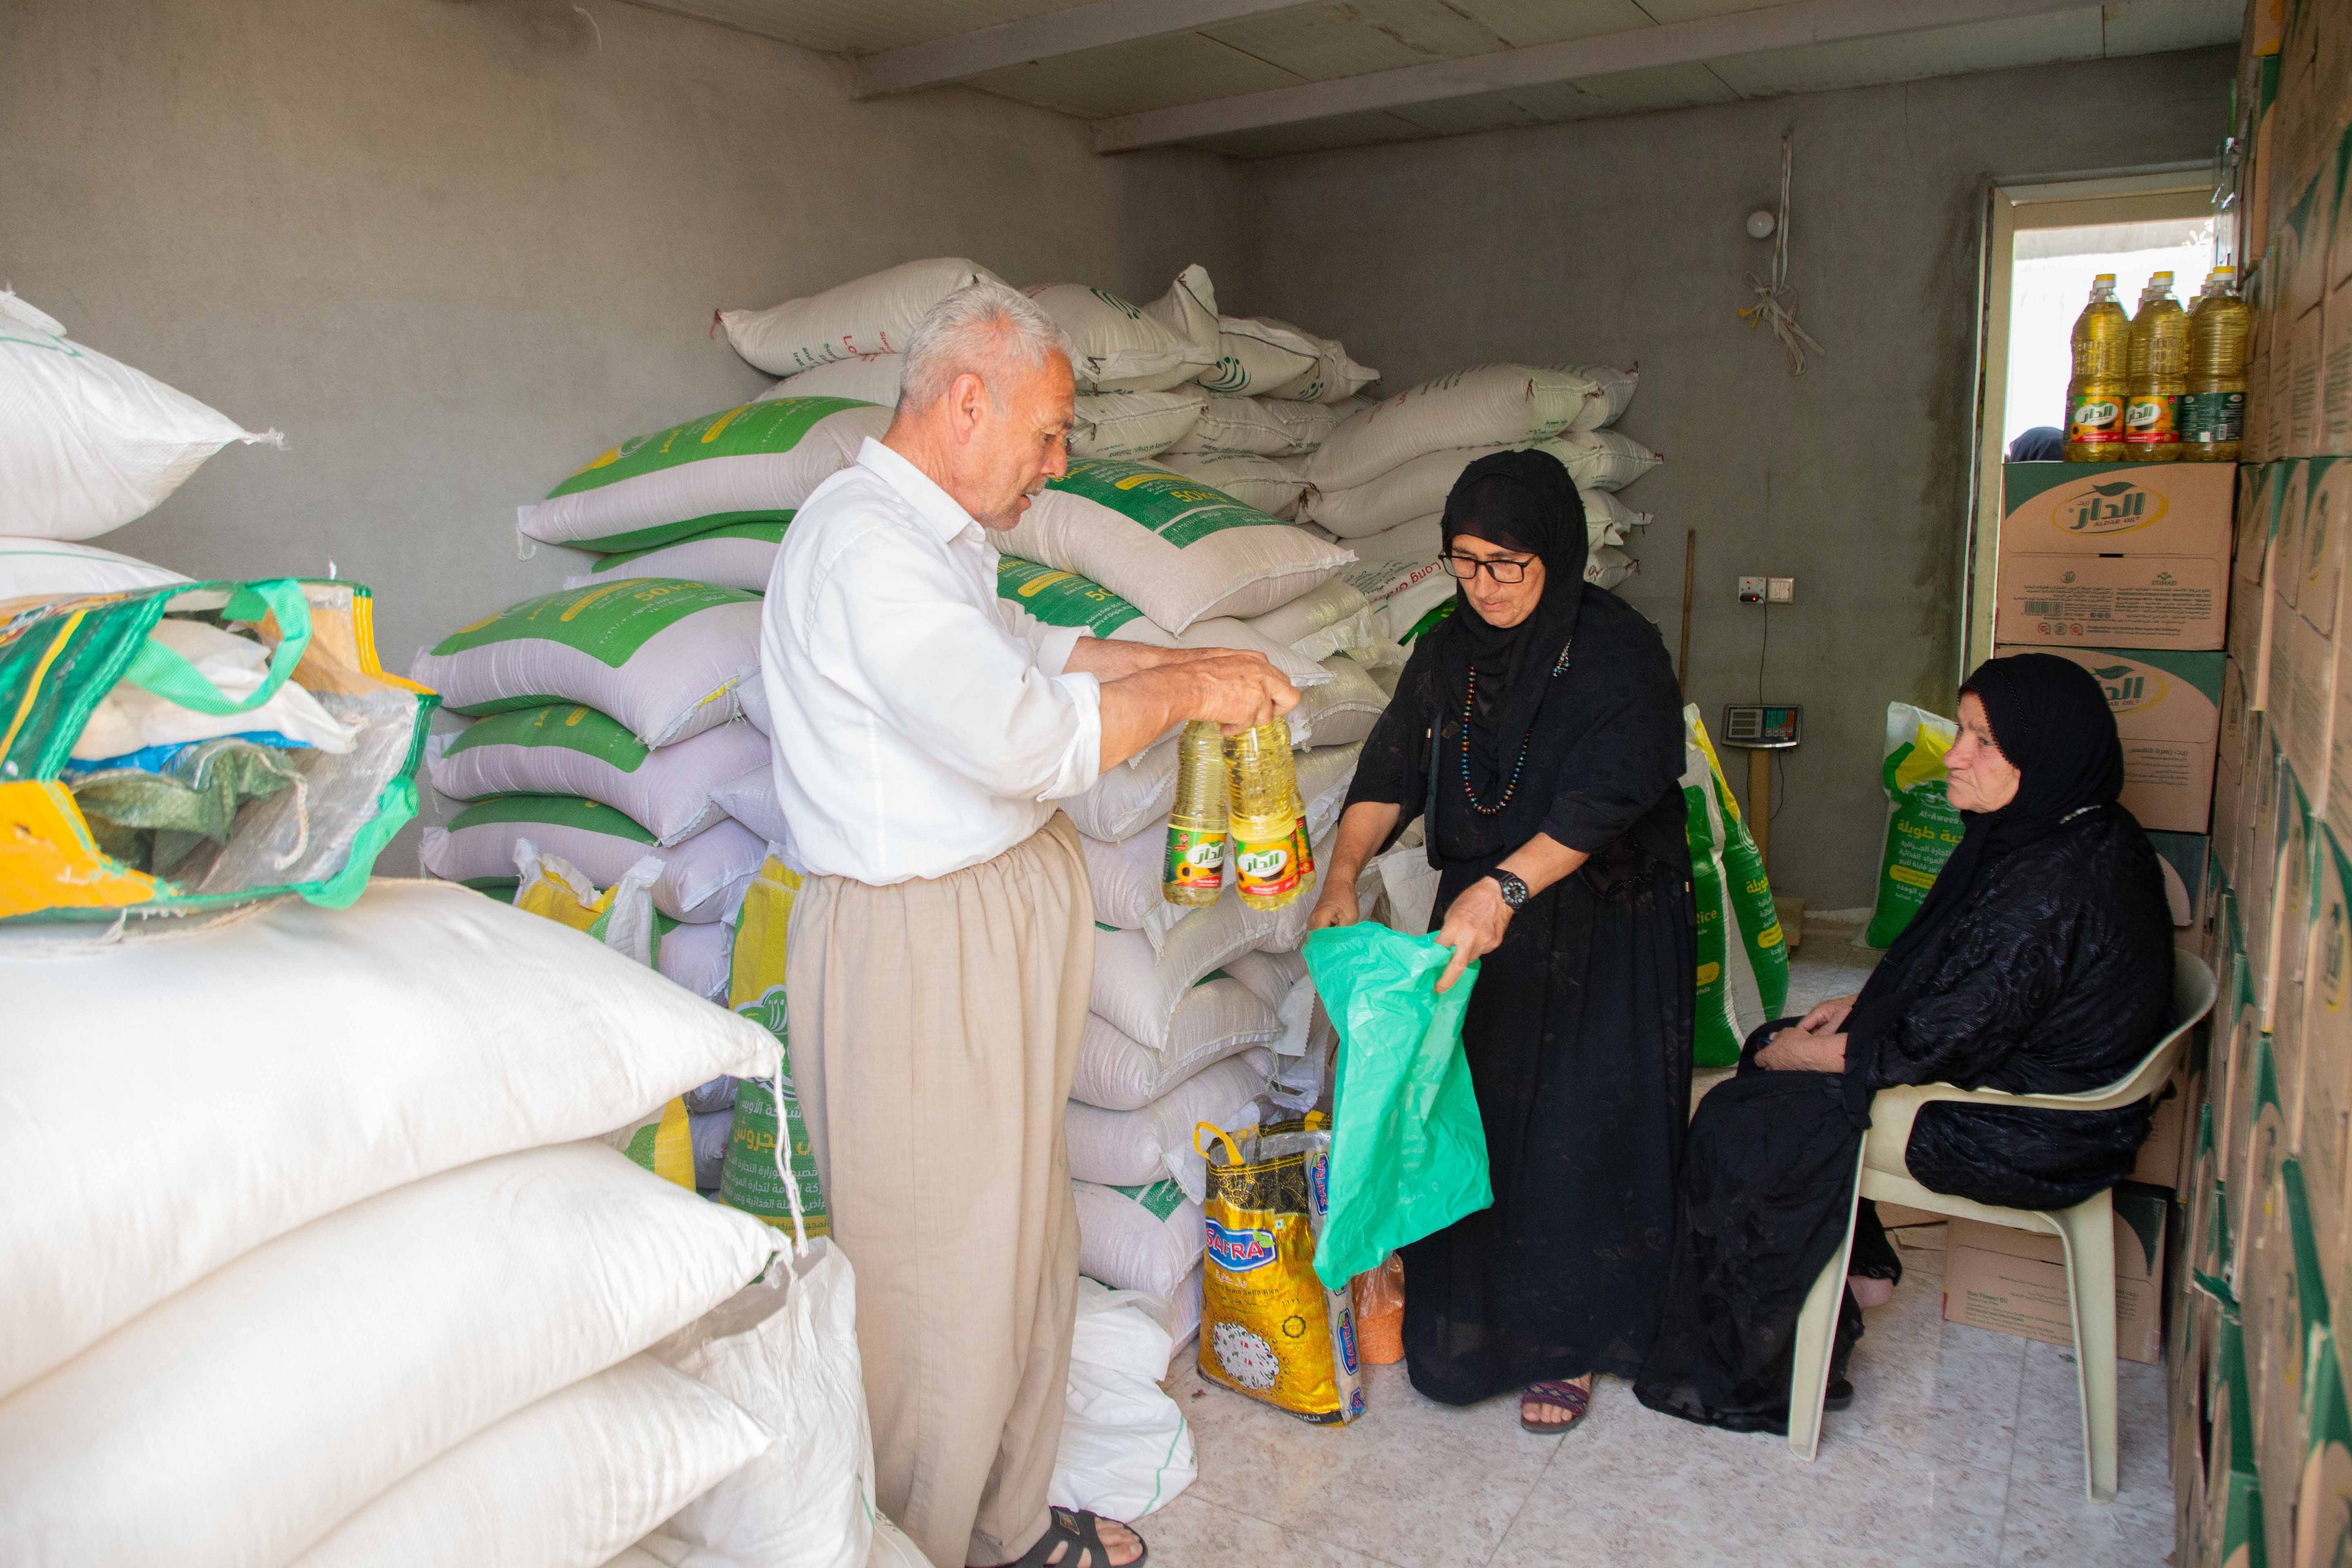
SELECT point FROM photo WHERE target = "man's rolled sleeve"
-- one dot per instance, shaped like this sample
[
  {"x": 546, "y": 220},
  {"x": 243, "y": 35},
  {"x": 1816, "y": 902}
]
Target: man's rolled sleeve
[{"x": 1082, "y": 759}]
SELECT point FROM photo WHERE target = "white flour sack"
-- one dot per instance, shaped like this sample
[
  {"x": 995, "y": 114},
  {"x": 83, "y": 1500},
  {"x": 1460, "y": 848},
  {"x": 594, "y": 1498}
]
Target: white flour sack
[
  {"x": 1133, "y": 423},
  {"x": 1344, "y": 614},
  {"x": 1219, "y": 1018},
  {"x": 1129, "y": 1148},
  {"x": 732, "y": 555},
  {"x": 1608, "y": 567},
  {"x": 752, "y": 463},
  {"x": 1267, "y": 483},
  {"x": 1420, "y": 540},
  {"x": 1270, "y": 427},
  {"x": 868, "y": 378},
  {"x": 1127, "y": 876},
  {"x": 1606, "y": 518},
  {"x": 571, "y": 750},
  {"x": 1602, "y": 460},
  {"x": 268, "y": 1402},
  {"x": 1341, "y": 711},
  {"x": 662, "y": 656},
  {"x": 698, "y": 957},
  {"x": 435, "y": 1027},
  {"x": 1256, "y": 357},
  {"x": 1335, "y": 378},
  {"x": 1139, "y": 1238},
  {"x": 87, "y": 443},
  {"x": 1189, "y": 309},
  {"x": 1487, "y": 406},
  {"x": 1127, "y": 800},
  {"x": 1119, "y": 347},
  {"x": 1616, "y": 392},
  {"x": 871, "y": 315},
  {"x": 1175, "y": 548},
  {"x": 54, "y": 568},
  {"x": 702, "y": 878},
  {"x": 575, "y": 1477},
  {"x": 750, "y": 797}
]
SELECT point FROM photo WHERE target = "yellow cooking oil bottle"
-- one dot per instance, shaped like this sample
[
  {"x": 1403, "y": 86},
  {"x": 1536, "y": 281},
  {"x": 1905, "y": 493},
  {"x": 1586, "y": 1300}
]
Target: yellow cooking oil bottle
[
  {"x": 2158, "y": 370},
  {"x": 1194, "y": 872},
  {"x": 1265, "y": 818},
  {"x": 2095, "y": 396},
  {"x": 2213, "y": 410}
]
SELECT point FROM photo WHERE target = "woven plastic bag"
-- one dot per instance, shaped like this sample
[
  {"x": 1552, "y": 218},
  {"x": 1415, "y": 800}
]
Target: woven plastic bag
[{"x": 1407, "y": 1149}]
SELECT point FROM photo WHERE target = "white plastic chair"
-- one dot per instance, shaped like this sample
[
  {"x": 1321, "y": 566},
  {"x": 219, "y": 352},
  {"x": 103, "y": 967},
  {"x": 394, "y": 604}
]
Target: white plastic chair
[{"x": 2087, "y": 1229}]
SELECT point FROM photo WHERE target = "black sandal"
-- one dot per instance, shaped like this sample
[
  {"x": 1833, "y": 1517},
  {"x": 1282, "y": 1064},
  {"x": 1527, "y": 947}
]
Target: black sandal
[{"x": 1077, "y": 1528}]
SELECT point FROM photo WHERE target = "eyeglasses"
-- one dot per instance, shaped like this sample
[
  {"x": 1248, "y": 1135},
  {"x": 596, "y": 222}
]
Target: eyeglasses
[{"x": 1468, "y": 567}]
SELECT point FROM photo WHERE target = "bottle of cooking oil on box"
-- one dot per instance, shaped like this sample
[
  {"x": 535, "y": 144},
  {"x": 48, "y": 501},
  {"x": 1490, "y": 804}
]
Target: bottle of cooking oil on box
[
  {"x": 2095, "y": 398},
  {"x": 1194, "y": 872},
  {"x": 2213, "y": 410},
  {"x": 1264, "y": 817},
  {"x": 2158, "y": 373}
]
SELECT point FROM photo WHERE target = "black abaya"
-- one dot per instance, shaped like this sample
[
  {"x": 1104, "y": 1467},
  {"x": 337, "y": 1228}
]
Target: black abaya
[
  {"x": 1578, "y": 1031},
  {"x": 2040, "y": 963}
]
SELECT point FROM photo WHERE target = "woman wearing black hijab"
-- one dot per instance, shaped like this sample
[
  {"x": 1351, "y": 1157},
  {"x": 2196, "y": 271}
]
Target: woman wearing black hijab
[
  {"x": 1539, "y": 731},
  {"x": 2041, "y": 962}
]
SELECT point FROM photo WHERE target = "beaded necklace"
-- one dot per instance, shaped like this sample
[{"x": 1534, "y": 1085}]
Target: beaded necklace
[{"x": 1469, "y": 702}]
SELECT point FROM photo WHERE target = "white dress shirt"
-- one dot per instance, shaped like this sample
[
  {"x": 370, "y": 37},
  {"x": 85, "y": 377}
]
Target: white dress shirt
[{"x": 921, "y": 724}]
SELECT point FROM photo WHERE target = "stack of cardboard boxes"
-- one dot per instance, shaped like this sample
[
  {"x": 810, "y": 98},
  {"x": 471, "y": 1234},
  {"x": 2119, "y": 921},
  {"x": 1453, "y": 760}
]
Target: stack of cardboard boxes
[{"x": 2261, "y": 1443}]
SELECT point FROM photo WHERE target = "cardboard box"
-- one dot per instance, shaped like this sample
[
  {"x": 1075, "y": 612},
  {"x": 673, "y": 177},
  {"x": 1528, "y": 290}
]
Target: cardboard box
[
  {"x": 2161, "y": 1151},
  {"x": 2305, "y": 709},
  {"x": 2182, "y": 856},
  {"x": 1899, "y": 1216},
  {"x": 2233, "y": 748},
  {"x": 2324, "y": 1129},
  {"x": 2335, "y": 376},
  {"x": 2115, "y": 555},
  {"x": 2257, "y": 899},
  {"x": 2014, "y": 1281},
  {"x": 2285, "y": 1314},
  {"x": 2233, "y": 1506},
  {"x": 2168, "y": 708},
  {"x": 2293, "y": 917},
  {"x": 2306, "y": 378},
  {"x": 2323, "y": 1512}
]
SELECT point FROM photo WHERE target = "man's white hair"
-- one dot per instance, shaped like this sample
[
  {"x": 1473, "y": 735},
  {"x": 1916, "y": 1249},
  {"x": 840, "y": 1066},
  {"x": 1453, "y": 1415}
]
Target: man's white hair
[{"x": 984, "y": 328}]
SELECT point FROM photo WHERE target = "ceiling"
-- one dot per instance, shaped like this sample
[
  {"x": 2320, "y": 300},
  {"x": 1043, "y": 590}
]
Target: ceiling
[{"x": 1139, "y": 84}]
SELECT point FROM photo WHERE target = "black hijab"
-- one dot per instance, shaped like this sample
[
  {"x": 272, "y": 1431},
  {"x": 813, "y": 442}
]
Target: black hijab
[
  {"x": 2050, "y": 719},
  {"x": 1522, "y": 501}
]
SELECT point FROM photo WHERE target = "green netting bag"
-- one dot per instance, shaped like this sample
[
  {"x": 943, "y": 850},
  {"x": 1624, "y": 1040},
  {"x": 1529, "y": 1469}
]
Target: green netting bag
[{"x": 1407, "y": 1149}]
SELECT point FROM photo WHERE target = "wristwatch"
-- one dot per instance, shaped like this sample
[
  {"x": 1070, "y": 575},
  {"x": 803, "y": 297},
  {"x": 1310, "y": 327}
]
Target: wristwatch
[{"x": 1514, "y": 891}]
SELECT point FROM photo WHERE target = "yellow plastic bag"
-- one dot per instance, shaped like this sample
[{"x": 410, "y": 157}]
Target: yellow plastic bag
[
  {"x": 756, "y": 990},
  {"x": 1268, "y": 1327}
]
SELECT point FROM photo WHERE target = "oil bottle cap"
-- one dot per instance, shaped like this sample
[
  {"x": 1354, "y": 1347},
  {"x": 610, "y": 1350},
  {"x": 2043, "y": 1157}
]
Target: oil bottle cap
[
  {"x": 2222, "y": 271},
  {"x": 2106, "y": 277},
  {"x": 2161, "y": 277}
]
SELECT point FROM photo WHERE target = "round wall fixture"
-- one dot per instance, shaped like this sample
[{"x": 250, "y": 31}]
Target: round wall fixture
[{"x": 1761, "y": 224}]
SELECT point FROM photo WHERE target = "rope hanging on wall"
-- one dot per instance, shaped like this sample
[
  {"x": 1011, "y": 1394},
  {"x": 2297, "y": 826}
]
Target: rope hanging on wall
[{"x": 1776, "y": 301}]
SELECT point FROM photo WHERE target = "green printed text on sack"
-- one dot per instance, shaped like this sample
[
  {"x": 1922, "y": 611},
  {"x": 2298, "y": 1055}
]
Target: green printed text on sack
[
  {"x": 1179, "y": 510},
  {"x": 749, "y": 430},
  {"x": 609, "y": 622},
  {"x": 1061, "y": 598}
]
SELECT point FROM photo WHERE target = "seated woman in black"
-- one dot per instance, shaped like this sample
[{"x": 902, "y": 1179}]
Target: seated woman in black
[{"x": 2041, "y": 962}]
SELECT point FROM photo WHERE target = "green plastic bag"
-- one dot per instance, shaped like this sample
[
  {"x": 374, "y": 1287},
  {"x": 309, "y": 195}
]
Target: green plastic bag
[
  {"x": 1407, "y": 1149},
  {"x": 1742, "y": 976}
]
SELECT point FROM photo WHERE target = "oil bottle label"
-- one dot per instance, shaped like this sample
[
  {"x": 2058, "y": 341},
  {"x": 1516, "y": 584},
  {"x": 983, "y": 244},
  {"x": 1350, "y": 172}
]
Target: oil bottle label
[
  {"x": 2096, "y": 418},
  {"x": 2150, "y": 420},
  {"x": 1266, "y": 869},
  {"x": 2211, "y": 416},
  {"x": 1196, "y": 858}
]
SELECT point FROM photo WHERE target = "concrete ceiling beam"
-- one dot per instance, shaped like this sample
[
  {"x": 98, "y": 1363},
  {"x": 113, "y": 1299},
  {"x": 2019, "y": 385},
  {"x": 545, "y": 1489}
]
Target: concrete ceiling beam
[{"x": 1098, "y": 26}]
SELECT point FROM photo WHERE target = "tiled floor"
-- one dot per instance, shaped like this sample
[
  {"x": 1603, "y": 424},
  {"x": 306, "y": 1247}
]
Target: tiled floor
[{"x": 1962, "y": 1447}]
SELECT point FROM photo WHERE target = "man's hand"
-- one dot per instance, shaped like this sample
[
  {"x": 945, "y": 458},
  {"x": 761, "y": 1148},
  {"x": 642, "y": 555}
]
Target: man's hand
[
  {"x": 1234, "y": 690},
  {"x": 1795, "y": 1050},
  {"x": 1237, "y": 689},
  {"x": 1828, "y": 1016},
  {"x": 1474, "y": 924},
  {"x": 1336, "y": 906}
]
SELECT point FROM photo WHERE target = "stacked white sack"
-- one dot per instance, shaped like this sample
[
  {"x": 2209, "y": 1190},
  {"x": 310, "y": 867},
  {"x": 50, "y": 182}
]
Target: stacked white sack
[{"x": 379, "y": 1134}]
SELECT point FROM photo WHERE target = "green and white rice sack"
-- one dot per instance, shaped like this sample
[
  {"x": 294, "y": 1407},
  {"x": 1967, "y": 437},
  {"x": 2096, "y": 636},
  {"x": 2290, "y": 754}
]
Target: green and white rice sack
[
  {"x": 1923, "y": 826},
  {"x": 1267, "y": 483},
  {"x": 732, "y": 555},
  {"x": 1066, "y": 599},
  {"x": 1139, "y": 1238},
  {"x": 568, "y": 749},
  {"x": 1178, "y": 550},
  {"x": 702, "y": 879},
  {"x": 664, "y": 656},
  {"x": 1255, "y": 355},
  {"x": 752, "y": 463}
]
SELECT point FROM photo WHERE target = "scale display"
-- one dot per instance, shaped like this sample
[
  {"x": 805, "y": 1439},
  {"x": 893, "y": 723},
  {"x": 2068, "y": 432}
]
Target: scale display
[{"x": 1762, "y": 726}]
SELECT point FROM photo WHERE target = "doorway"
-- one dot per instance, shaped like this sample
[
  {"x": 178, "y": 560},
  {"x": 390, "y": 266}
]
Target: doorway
[{"x": 2044, "y": 241}]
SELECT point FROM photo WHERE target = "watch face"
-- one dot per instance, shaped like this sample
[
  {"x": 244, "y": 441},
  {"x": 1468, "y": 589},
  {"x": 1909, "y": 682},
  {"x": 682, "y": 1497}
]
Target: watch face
[{"x": 1514, "y": 891}]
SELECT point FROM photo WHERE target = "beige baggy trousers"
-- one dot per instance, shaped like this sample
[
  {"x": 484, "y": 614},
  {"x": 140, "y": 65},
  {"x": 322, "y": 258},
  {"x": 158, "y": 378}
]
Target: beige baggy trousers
[{"x": 934, "y": 1030}]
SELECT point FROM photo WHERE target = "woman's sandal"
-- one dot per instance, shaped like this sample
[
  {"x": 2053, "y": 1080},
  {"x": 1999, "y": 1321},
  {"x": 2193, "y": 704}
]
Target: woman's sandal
[
  {"x": 1574, "y": 1398},
  {"x": 1081, "y": 1533}
]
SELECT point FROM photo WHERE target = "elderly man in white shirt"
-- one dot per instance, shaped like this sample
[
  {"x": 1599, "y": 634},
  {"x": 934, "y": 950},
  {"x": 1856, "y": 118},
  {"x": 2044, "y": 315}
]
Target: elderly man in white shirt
[{"x": 941, "y": 952}]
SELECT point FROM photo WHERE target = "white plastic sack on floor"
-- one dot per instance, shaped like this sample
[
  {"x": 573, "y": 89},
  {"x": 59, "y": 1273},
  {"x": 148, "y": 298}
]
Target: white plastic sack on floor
[
  {"x": 1139, "y": 1238},
  {"x": 1116, "y": 347},
  {"x": 87, "y": 443},
  {"x": 1133, "y": 1148},
  {"x": 1485, "y": 406},
  {"x": 868, "y": 378},
  {"x": 1175, "y": 548},
  {"x": 785, "y": 1349},
  {"x": 1133, "y": 423},
  {"x": 54, "y": 568},
  {"x": 269, "y": 1402},
  {"x": 1218, "y": 1019},
  {"x": 868, "y": 315},
  {"x": 585, "y": 1470},
  {"x": 422, "y": 1028},
  {"x": 1126, "y": 1450}
]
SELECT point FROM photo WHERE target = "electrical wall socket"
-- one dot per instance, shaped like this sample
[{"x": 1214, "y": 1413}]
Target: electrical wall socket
[
  {"x": 1751, "y": 590},
  {"x": 1780, "y": 591}
]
